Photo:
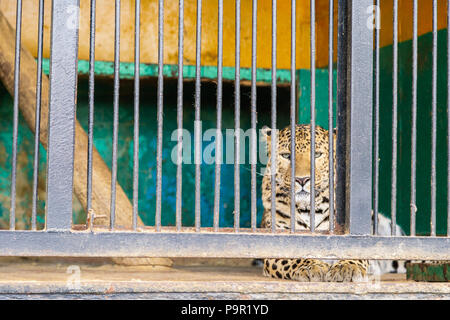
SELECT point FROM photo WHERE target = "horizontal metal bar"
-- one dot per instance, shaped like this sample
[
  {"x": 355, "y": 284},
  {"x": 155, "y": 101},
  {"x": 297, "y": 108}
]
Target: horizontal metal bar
[
  {"x": 220, "y": 245},
  {"x": 157, "y": 286}
]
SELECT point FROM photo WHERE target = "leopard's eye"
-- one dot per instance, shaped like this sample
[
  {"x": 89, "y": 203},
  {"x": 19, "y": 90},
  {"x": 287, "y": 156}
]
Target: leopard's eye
[
  {"x": 286, "y": 155},
  {"x": 318, "y": 154}
]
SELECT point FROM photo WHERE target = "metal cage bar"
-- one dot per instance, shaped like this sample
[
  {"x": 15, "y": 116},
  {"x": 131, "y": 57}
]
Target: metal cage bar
[
  {"x": 12, "y": 214},
  {"x": 115, "y": 113},
  {"x": 414, "y": 122},
  {"x": 274, "y": 132},
  {"x": 376, "y": 149},
  {"x": 394, "y": 119},
  {"x": 341, "y": 118},
  {"x": 330, "y": 115},
  {"x": 197, "y": 124},
  {"x": 180, "y": 115},
  {"x": 313, "y": 117},
  {"x": 218, "y": 159},
  {"x": 91, "y": 110},
  {"x": 253, "y": 116},
  {"x": 293, "y": 113},
  {"x": 37, "y": 124},
  {"x": 434, "y": 121},
  {"x": 237, "y": 118},
  {"x": 137, "y": 46},
  {"x": 220, "y": 245},
  {"x": 62, "y": 106},
  {"x": 160, "y": 107},
  {"x": 355, "y": 116}
]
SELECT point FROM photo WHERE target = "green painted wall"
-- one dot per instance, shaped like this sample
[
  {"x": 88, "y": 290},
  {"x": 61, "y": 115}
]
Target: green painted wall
[
  {"x": 423, "y": 132},
  {"x": 404, "y": 129}
]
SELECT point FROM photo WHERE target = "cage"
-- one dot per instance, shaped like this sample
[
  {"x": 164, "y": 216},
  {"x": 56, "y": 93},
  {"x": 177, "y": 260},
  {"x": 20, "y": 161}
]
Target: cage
[{"x": 106, "y": 144}]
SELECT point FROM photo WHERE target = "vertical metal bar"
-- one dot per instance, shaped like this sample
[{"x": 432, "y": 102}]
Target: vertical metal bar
[
  {"x": 313, "y": 117},
  {"x": 219, "y": 117},
  {"x": 37, "y": 115},
  {"x": 197, "y": 125},
  {"x": 377, "y": 119},
  {"x": 62, "y": 107},
  {"x": 414, "y": 122},
  {"x": 341, "y": 118},
  {"x": 433, "y": 123},
  {"x": 448, "y": 119},
  {"x": 91, "y": 111},
  {"x": 116, "y": 113},
  {"x": 12, "y": 216},
  {"x": 394, "y": 120},
  {"x": 253, "y": 116},
  {"x": 137, "y": 37},
  {"x": 293, "y": 105},
  {"x": 274, "y": 135},
  {"x": 358, "y": 131},
  {"x": 180, "y": 115},
  {"x": 330, "y": 114},
  {"x": 159, "y": 113},
  {"x": 237, "y": 115}
]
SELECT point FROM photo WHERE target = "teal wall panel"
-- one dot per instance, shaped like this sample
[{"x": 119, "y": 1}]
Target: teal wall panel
[
  {"x": 321, "y": 90},
  {"x": 147, "y": 147},
  {"x": 423, "y": 133}
]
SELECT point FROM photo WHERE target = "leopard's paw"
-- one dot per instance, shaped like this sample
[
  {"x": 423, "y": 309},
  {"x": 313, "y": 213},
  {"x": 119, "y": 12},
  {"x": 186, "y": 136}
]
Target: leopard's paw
[
  {"x": 347, "y": 271},
  {"x": 310, "y": 270}
]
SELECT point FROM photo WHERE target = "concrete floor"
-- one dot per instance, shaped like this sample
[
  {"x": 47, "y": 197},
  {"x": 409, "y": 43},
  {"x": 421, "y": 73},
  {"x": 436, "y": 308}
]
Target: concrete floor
[{"x": 25, "y": 278}]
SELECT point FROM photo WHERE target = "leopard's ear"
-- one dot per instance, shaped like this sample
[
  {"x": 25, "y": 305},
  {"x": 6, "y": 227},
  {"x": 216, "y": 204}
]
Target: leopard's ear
[{"x": 266, "y": 132}]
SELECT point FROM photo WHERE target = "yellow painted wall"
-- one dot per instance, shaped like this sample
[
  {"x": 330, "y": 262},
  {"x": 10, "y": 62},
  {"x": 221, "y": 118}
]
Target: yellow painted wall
[
  {"x": 149, "y": 27},
  {"x": 405, "y": 27}
]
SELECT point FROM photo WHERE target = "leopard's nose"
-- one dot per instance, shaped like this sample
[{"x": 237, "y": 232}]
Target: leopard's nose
[{"x": 302, "y": 180}]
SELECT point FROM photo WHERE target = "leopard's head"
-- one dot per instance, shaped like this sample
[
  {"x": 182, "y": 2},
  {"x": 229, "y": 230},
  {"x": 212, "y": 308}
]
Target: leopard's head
[{"x": 302, "y": 164}]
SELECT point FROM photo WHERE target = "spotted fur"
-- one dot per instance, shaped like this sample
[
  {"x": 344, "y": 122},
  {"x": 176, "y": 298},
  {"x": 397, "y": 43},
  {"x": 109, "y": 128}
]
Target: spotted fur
[{"x": 302, "y": 269}]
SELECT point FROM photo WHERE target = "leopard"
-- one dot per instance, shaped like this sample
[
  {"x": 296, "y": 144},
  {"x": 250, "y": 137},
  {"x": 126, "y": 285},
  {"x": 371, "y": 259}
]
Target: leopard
[{"x": 303, "y": 269}]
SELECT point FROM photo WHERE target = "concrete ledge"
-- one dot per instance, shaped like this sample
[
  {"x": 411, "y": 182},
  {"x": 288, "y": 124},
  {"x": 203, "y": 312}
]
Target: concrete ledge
[{"x": 50, "y": 280}]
